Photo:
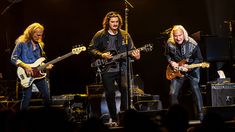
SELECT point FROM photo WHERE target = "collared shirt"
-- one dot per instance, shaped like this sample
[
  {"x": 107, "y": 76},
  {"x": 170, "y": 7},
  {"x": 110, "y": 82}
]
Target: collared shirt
[
  {"x": 24, "y": 52},
  {"x": 189, "y": 51}
]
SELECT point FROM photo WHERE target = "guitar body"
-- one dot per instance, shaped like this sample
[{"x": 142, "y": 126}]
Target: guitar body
[
  {"x": 105, "y": 64},
  {"x": 172, "y": 73},
  {"x": 26, "y": 80},
  {"x": 105, "y": 68},
  {"x": 37, "y": 67}
]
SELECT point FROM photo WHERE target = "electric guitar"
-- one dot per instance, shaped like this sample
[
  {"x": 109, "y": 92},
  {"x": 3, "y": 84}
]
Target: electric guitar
[
  {"x": 173, "y": 73},
  {"x": 104, "y": 64},
  {"x": 38, "y": 67}
]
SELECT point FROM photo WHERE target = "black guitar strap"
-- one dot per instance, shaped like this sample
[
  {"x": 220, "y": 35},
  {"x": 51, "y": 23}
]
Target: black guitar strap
[{"x": 43, "y": 54}]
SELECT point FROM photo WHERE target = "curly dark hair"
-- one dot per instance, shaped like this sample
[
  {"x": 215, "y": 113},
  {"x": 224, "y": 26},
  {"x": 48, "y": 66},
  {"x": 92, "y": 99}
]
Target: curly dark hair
[{"x": 108, "y": 16}]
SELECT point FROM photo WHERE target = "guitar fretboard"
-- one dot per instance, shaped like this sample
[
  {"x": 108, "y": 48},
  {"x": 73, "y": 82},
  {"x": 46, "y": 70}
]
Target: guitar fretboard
[{"x": 55, "y": 60}]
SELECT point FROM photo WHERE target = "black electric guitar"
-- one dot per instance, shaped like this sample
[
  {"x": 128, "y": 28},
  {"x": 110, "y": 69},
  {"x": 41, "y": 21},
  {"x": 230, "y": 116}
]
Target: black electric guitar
[
  {"x": 104, "y": 64},
  {"x": 173, "y": 73},
  {"x": 38, "y": 67}
]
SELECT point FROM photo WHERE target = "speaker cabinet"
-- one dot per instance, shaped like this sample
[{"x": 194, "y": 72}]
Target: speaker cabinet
[
  {"x": 94, "y": 89},
  {"x": 147, "y": 103},
  {"x": 98, "y": 106},
  {"x": 221, "y": 94}
]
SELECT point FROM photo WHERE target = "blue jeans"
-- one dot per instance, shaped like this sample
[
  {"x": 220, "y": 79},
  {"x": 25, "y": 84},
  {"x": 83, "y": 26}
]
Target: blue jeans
[
  {"x": 176, "y": 85},
  {"x": 42, "y": 86}
]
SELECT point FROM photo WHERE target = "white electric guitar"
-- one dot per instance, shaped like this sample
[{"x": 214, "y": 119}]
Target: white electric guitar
[{"x": 38, "y": 67}]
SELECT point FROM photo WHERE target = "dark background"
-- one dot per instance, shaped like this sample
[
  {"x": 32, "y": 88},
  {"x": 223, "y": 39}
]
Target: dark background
[{"x": 73, "y": 22}]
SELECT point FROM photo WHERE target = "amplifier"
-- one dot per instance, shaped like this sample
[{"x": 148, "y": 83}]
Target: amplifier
[
  {"x": 146, "y": 97},
  {"x": 94, "y": 89},
  {"x": 221, "y": 94},
  {"x": 147, "y": 102},
  {"x": 68, "y": 98}
]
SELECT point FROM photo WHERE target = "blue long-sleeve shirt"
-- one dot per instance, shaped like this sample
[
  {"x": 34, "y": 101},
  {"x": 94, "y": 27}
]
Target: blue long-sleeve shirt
[{"x": 24, "y": 52}]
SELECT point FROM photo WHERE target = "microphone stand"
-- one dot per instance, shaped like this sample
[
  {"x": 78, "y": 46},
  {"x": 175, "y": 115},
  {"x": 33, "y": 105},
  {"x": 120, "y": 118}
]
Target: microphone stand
[
  {"x": 230, "y": 27},
  {"x": 12, "y": 2},
  {"x": 129, "y": 88}
]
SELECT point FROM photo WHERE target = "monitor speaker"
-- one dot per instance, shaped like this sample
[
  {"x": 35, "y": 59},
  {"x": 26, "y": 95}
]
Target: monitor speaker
[{"x": 221, "y": 94}]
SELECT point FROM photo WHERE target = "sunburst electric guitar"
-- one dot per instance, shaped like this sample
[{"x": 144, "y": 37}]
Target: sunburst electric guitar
[
  {"x": 38, "y": 67},
  {"x": 173, "y": 73}
]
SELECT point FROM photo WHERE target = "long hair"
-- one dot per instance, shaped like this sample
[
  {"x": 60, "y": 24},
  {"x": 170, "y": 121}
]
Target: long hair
[
  {"x": 178, "y": 27},
  {"x": 108, "y": 16},
  {"x": 28, "y": 34}
]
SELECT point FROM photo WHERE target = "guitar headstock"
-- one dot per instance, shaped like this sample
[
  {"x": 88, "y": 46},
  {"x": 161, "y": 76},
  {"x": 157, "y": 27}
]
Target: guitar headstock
[
  {"x": 205, "y": 65},
  {"x": 77, "y": 50},
  {"x": 148, "y": 47}
]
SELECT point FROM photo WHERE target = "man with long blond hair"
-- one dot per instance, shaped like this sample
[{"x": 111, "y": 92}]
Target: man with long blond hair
[
  {"x": 182, "y": 48},
  {"x": 28, "y": 49}
]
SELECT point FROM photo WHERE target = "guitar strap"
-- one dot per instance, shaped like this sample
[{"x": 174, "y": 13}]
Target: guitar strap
[
  {"x": 43, "y": 54},
  {"x": 117, "y": 45}
]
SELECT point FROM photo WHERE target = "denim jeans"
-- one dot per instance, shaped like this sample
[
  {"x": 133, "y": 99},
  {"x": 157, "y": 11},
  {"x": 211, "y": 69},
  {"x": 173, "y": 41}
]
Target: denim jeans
[
  {"x": 42, "y": 86},
  {"x": 176, "y": 86}
]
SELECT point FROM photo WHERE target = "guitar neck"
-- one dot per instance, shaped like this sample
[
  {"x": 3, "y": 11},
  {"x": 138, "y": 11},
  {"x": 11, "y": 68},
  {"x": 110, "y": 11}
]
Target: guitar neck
[
  {"x": 55, "y": 60},
  {"x": 121, "y": 55},
  {"x": 194, "y": 65}
]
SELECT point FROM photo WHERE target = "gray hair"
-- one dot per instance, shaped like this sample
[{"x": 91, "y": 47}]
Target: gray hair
[{"x": 178, "y": 27}]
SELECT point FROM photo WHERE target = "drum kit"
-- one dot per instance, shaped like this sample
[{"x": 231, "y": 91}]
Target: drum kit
[
  {"x": 75, "y": 106},
  {"x": 82, "y": 107}
]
